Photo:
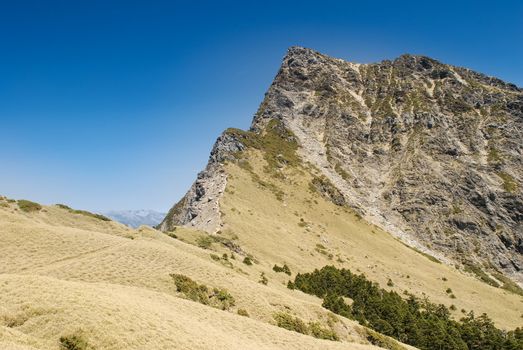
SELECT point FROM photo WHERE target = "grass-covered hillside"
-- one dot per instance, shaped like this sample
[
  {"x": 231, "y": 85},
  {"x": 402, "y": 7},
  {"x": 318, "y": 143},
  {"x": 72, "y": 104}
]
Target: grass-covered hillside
[{"x": 75, "y": 281}]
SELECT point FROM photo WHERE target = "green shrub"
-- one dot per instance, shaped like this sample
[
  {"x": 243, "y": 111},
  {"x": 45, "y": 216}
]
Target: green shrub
[
  {"x": 509, "y": 184},
  {"x": 247, "y": 261},
  {"x": 73, "y": 342},
  {"x": 295, "y": 324},
  {"x": 204, "y": 242},
  {"x": 215, "y": 257},
  {"x": 28, "y": 206},
  {"x": 291, "y": 323},
  {"x": 320, "y": 248},
  {"x": 390, "y": 283},
  {"x": 63, "y": 206},
  {"x": 494, "y": 156},
  {"x": 382, "y": 341},
  {"x": 336, "y": 304},
  {"x": 218, "y": 298},
  {"x": 317, "y": 331},
  {"x": 243, "y": 312},
  {"x": 224, "y": 298},
  {"x": 263, "y": 279},
  {"x": 284, "y": 269},
  {"x": 171, "y": 234},
  {"x": 191, "y": 289}
]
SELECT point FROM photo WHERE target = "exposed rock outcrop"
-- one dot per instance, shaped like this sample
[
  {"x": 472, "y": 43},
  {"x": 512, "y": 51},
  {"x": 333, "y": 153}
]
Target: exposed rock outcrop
[{"x": 200, "y": 207}]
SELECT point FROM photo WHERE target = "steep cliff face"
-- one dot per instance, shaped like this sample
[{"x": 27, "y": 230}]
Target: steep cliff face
[
  {"x": 430, "y": 152},
  {"x": 200, "y": 207}
]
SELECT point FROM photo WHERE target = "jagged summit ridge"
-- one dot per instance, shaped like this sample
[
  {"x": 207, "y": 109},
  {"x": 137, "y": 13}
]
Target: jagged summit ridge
[{"x": 429, "y": 151}]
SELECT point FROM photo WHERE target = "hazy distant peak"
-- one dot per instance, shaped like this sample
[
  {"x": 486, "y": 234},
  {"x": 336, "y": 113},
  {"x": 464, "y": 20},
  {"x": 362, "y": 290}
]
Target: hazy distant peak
[{"x": 136, "y": 218}]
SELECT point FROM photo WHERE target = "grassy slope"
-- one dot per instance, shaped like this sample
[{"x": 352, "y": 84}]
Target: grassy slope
[
  {"x": 62, "y": 272},
  {"x": 270, "y": 230}
]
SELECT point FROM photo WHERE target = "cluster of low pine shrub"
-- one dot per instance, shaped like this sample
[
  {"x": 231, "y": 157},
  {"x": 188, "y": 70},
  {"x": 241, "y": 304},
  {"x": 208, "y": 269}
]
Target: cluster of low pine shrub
[
  {"x": 215, "y": 297},
  {"x": 285, "y": 269},
  {"x": 204, "y": 242},
  {"x": 224, "y": 259},
  {"x": 74, "y": 341},
  {"x": 247, "y": 261},
  {"x": 295, "y": 324},
  {"x": 243, "y": 312},
  {"x": 263, "y": 279},
  {"x": 28, "y": 206},
  {"x": 413, "y": 321}
]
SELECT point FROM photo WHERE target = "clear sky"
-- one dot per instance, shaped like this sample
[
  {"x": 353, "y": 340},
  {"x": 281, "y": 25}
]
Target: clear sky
[{"x": 116, "y": 104}]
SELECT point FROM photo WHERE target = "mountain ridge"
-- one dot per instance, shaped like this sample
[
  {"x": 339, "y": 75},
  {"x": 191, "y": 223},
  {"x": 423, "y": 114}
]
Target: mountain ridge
[{"x": 410, "y": 123}]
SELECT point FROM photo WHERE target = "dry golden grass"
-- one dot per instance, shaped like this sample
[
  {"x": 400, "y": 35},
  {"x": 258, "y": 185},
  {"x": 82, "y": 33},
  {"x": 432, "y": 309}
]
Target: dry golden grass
[
  {"x": 273, "y": 231},
  {"x": 61, "y": 273},
  {"x": 112, "y": 316}
]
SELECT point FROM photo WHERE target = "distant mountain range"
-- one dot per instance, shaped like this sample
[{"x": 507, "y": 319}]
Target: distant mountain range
[{"x": 136, "y": 218}]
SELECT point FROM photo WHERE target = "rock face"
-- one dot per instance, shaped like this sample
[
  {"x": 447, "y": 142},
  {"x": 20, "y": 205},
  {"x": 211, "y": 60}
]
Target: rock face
[
  {"x": 428, "y": 151},
  {"x": 200, "y": 207}
]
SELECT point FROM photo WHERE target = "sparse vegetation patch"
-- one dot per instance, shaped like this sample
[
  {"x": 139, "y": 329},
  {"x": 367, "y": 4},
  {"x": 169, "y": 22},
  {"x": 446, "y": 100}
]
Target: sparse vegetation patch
[
  {"x": 480, "y": 274},
  {"x": 73, "y": 342},
  {"x": 295, "y": 324},
  {"x": 326, "y": 189},
  {"x": 215, "y": 297},
  {"x": 509, "y": 184},
  {"x": 284, "y": 269},
  {"x": 278, "y": 144},
  {"x": 382, "y": 341},
  {"x": 204, "y": 242},
  {"x": 508, "y": 284},
  {"x": 243, "y": 312},
  {"x": 28, "y": 206}
]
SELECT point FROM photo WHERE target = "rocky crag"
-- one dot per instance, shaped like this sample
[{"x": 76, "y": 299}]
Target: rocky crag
[{"x": 428, "y": 151}]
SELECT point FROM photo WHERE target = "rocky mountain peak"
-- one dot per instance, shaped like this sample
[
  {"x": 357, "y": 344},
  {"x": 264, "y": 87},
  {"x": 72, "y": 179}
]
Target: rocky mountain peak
[{"x": 430, "y": 152}]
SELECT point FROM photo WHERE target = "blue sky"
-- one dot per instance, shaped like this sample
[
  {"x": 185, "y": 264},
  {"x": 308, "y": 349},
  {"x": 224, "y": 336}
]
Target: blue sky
[{"x": 116, "y": 104}]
